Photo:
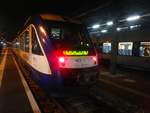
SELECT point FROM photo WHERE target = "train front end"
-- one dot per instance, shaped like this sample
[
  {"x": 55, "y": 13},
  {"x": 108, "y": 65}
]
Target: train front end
[
  {"x": 78, "y": 66},
  {"x": 76, "y": 59}
]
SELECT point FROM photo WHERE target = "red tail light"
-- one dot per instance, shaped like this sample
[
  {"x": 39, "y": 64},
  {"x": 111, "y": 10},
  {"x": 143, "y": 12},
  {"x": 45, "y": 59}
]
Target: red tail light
[
  {"x": 94, "y": 58},
  {"x": 61, "y": 59}
]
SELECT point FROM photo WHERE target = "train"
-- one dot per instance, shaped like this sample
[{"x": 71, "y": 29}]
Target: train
[
  {"x": 57, "y": 51},
  {"x": 131, "y": 51}
]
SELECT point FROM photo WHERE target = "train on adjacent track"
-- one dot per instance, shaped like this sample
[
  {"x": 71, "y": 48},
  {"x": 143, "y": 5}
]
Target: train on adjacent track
[
  {"x": 132, "y": 48},
  {"x": 57, "y": 51}
]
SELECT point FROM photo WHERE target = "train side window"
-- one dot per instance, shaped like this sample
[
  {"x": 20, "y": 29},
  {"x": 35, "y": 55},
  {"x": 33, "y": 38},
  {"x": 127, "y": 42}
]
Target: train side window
[
  {"x": 35, "y": 44},
  {"x": 22, "y": 42},
  {"x": 16, "y": 43},
  {"x": 125, "y": 48},
  {"x": 106, "y": 48},
  {"x": 144, "y": 49},
  {"x": 26, "y": 36}
]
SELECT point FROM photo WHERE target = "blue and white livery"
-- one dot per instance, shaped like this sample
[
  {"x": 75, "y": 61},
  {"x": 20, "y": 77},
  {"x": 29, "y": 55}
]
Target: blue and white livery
[{"x": 57, "y": 51}]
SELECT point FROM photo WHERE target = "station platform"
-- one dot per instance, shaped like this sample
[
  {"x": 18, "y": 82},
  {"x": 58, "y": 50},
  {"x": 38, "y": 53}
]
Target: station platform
[{"x": 15, "y": 95}]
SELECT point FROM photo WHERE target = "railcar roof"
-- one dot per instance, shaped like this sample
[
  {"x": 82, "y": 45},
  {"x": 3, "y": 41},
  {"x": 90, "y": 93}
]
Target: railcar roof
[
  {"x": 58, "y": 18},
  {"x": 51, "y": 17}
]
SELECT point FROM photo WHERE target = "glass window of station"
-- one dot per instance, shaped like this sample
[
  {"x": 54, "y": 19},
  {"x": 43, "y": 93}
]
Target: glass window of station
[
  {"x": 106, "y": 47},
  {"x": 145, "y": 49},
  {"x": 125, "y": 48}
]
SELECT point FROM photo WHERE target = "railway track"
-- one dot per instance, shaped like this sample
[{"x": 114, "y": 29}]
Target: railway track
[
  {"x": 85, "y": 104},
  {"x": 46, "y": 103}
]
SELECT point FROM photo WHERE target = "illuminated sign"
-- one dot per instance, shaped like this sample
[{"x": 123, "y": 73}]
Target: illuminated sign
[{"x": 75, "y": 52}]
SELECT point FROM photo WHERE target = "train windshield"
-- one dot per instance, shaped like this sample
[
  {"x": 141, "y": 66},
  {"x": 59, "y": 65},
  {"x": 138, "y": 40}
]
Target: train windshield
[{"x": 68, "y": 34}]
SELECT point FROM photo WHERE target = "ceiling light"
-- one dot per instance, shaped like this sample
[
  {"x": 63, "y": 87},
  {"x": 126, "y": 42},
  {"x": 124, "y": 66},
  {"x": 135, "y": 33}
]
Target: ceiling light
[
  {"x": 95, "y": 26},
  {"x": 109, "y": 23},
  {"x": 104, "y": 31},
  {"x": 132, "y": 18}
]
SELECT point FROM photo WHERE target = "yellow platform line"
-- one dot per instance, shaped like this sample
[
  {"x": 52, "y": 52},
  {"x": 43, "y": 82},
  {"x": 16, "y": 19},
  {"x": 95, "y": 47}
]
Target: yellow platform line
[
  {"x": 29, "y": 94},
  {"x": 2, "y": 66},
  {"x": 142, "y": 94}
]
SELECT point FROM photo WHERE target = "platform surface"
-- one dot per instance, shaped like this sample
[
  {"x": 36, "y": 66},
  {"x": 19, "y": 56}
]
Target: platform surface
[{"x": 13, "y": 98}]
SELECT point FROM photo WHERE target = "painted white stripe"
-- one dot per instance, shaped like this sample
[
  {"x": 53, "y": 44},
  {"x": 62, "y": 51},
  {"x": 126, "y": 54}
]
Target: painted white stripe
[
  {"x": 78, "y": 62},
  {"x": 142, "y": 94},
  {"x": 2, "y": 66},
  {"x": 32, "y": 101}
]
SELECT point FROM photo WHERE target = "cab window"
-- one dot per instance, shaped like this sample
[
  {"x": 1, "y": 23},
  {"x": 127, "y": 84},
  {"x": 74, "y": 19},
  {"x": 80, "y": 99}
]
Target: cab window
[{"x": 35, "y": 44}]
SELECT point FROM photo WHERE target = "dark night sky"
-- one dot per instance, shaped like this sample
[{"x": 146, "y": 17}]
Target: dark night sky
[{"x": 13, "y": 13}]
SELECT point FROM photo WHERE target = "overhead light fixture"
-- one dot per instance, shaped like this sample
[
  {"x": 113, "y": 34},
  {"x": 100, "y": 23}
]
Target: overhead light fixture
[
  {"x": 118, "y": 28},
  {"x": 131, "y": 27},
  {"x": 104, "y": 31},
  {"x": 135, "y": 26},
  {"x": 121, "y": 28},
  {"x": 17, "y": 43},
  {"x": 95, "y": 26},
  {"x": 132, "y": 18},
  {"x": 109, "y": 23}
]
